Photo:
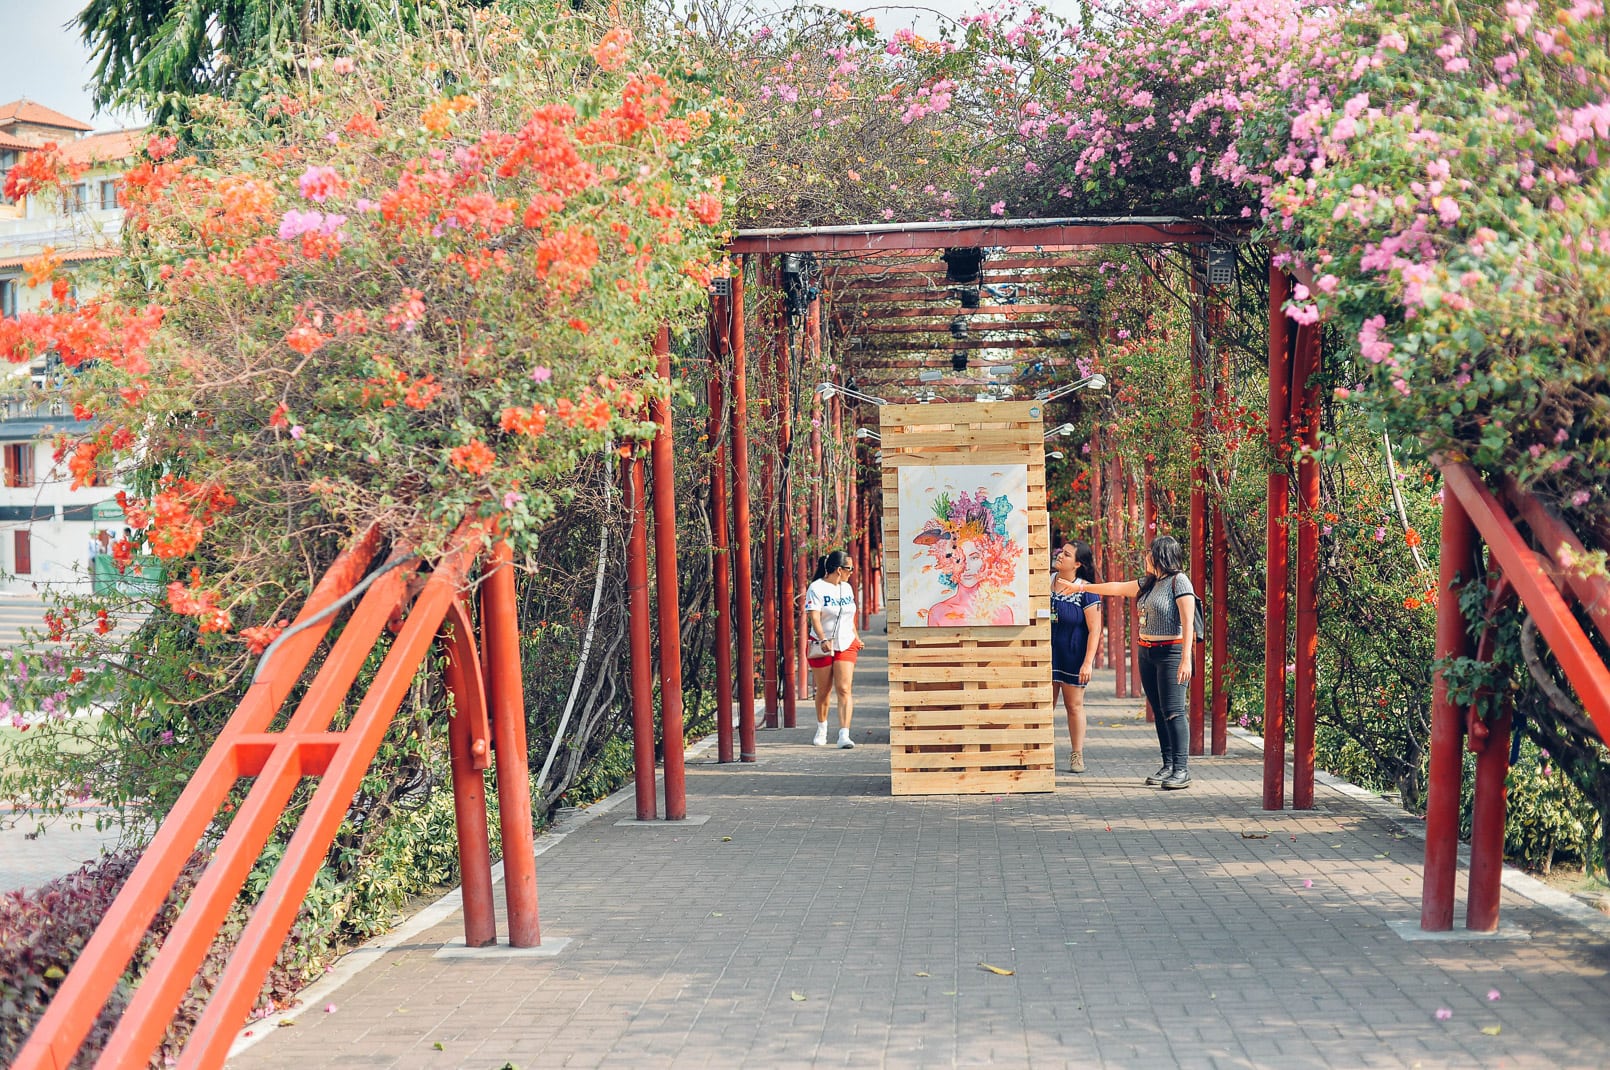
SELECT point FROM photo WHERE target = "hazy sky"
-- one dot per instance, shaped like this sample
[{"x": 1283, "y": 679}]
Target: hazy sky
[{"x": 48, "y": 63}]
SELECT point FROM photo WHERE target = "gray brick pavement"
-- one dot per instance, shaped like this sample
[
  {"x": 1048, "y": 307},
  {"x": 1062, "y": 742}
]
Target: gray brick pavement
[{"x": 1143, "y": 929}]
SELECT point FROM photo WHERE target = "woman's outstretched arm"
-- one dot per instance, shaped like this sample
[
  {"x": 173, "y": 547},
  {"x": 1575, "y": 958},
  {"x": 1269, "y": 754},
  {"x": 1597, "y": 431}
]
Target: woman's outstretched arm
[{"x": 1116, "y": 589}]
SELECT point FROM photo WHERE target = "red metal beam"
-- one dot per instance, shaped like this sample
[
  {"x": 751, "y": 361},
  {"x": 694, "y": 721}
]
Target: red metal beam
[
  {"x": 741, "y": 555},
  {"x": 640, "y": 636},
  {"x": 1572, "y": 648},
  {"x": 1275, "y": 593},
  {"x": 500, "y": 627},
  {"x": 77, "y": 1005},
  {"x": 665, "y": 585},
  {"x": 972, "y": 235},
  {"x": 1560, "y": 543},
  {"x": 265, "y": 933}
]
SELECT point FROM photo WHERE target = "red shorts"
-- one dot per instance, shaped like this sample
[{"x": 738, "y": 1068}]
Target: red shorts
[{"x": 827, "y": 659}]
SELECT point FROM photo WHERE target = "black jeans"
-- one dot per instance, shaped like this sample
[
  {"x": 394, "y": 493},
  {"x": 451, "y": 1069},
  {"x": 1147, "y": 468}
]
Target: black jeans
[{"x": 1159, "y": 678}]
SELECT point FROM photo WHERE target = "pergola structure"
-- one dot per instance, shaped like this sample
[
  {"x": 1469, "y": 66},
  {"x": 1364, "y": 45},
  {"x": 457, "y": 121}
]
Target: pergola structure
[{"x": 883, "y": 284}]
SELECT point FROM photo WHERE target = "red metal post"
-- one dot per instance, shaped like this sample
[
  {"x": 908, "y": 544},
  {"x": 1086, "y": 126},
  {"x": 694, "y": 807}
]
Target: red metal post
[
  {"x": 1097, "y": 544},
  {"x": 1274, "y": 621},
  {"x": 1115, "y": 614},
  {"x": 1305, "y": 422},
  {"x": 665, "y": 583},
  {"x": 1199, "y": 577},
  {"x": 641, "y": 639},
  {"x": 1447, "y": 768},
  {"x": 1219, "y": 622},
  {"x": 769, "y": 510},
  {"x": 786, "y": 613},
  {"x": 720, "y": 325},
  {"x": 469, "y": 786},
  {"x": 1487, "y": 828},
  {"x": 500, "y": 627},
  {"x": 743, "y": 562},
  {"x": 1132, "y": 506}
]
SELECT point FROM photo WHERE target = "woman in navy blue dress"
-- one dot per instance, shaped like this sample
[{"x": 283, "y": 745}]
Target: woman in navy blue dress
[{"x": 1075, "y": 631}]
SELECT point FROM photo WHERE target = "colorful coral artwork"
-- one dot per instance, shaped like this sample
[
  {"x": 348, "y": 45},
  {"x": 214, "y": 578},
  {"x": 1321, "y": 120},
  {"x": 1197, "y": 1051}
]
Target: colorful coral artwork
[{"x": 964, "y": 530}]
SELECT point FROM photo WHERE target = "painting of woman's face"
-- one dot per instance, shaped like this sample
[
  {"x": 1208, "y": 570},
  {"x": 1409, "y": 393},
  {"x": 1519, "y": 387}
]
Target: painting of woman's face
[{"x": 971, "y": 554}]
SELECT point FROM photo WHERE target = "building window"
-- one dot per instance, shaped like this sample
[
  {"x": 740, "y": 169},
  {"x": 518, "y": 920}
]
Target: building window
[
  {"x": 22, "y": 550},
  {"x": 8, "y": 160},
  {"x": 109, "y": 193},
  {"x": 19, "y": 464},
  {"x": 8, "y": 297},
  {"x": 75, "y": 198}
]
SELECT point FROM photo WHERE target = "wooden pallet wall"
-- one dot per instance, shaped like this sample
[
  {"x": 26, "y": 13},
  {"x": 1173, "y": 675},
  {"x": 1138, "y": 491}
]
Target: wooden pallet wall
[{"x": 970, "y": 709}]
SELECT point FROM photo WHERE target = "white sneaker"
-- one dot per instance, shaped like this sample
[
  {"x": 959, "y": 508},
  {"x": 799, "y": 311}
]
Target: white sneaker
[
  {"x": 820, "y": 739},
  {"x": 844, "y": 739}
]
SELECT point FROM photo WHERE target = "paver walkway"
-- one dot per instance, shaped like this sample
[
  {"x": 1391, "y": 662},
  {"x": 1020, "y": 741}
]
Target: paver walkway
[{"x": 816, "y": 921}]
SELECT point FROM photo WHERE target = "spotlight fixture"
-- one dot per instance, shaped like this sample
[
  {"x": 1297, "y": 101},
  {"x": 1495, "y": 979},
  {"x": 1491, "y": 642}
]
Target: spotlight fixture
[
  {"x": 1221, "y": 264},
  {"x": 968, "y": 296},
  {"x": 1097, "y": 381},
  {"x": 800, "y": 284},
  {"x": 963, "y": 265},
  {"x": 827, "y": 391},
  {"x": 958, "y": 360},
  {"x": 867, "y": 432},
  {"x": 958, "y": 327},
  {"x": 930, "y": 375}
]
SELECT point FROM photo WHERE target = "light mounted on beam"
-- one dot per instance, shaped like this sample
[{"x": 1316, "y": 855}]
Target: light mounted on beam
[
  {"x": 827, "y": 391},
  {"x": 1089, "y": 382}
]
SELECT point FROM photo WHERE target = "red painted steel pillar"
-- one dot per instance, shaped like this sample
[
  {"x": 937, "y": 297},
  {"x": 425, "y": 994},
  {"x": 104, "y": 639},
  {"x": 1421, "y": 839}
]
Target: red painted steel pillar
[
  {"x": 742, "y": 560},
  {"x": 769, "y": 510},
  {"x": 640, "y": 636},
  {"x": 1305, "y": 421},
  {"x": 720, "y": 326},
  {"x": 500, "y": 626},
  {"x": 665, "y": 583},
  {"x": 469, "y": 796},
  {"x": 1447, "y": 767},
  {"x": 1487, "y": 827},
  {"x": 1115, "y": 614},
  {"x": 1199, "y": 577},
  {"x": 852, "y": 538},
  {"x": 1132, "y": 500},
  {"x": 1097, "y": 545},
  {"x": 786, "y": 614},
  {"x": 1219, "y": 623},
  {"x": 1274, "y": 621}
]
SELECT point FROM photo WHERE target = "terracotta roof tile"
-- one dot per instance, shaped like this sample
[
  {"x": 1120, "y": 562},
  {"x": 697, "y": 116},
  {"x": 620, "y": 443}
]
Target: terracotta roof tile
[
  {"x": 26, "y": 111},
  {"x": 68, "y": 256},
  {"x": 99, "y": 148},
  {"x": 9, "y": 142}
]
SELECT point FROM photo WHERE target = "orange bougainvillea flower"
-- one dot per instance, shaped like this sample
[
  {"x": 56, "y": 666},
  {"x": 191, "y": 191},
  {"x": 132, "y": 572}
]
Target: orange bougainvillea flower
[
  {"x": 259, "y": 637},
  {"x": 306, "y": 339},
  {"x": 707, "y": 208},
  {"x": 1411, "y": 537},
  {"x": 533, "y": 421},
  {"x": 473, "y": 457},
  {"x": 565, "y": 260},
  {"x": 610, "y": 52},
  {"x": 422, "y": 392}
]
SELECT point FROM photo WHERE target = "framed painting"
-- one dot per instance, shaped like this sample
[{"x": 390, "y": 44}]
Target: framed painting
[{"x": 964, "y": 533}]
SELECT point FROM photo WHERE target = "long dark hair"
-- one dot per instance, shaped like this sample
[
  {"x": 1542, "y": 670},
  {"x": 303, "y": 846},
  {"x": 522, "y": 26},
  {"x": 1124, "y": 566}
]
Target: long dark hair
[
  {"x": 1167, "y": 558},
  {"x": 1086, "y": 557},
  {"x": 830, "y": 562}
]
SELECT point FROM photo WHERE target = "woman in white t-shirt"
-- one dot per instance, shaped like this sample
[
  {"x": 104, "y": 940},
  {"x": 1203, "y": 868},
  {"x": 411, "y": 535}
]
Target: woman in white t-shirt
[{"x": 830, "y": 608}]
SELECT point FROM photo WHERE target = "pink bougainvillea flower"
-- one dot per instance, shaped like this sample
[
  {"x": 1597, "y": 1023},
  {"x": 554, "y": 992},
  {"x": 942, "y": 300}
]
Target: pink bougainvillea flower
[
  {"x": 319, "y": 184},
  {"x": 998, "y": 208},
  {"x": 541, "y": 374},
  {"x": 1443, "y": 1014},
  {"x": 1493, "y": 995}
]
